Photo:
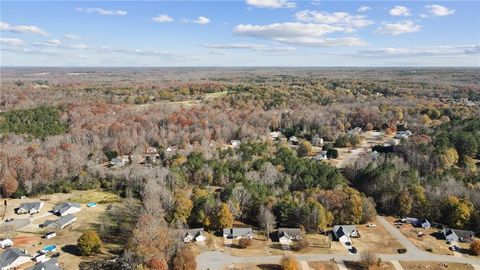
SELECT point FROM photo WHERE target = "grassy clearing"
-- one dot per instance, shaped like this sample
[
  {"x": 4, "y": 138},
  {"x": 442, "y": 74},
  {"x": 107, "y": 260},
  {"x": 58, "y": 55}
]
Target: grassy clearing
[
  {"x": 435, "y": 266},
  {"x": 100, "y": 197}
]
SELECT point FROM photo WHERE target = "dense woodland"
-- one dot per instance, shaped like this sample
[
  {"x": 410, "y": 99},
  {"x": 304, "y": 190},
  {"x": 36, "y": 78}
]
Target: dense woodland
[{"x": 59, "y": 126}]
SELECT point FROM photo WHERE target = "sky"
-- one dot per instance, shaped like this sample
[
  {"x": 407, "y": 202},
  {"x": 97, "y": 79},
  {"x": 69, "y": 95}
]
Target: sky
[{"x": 240, "y": 33}]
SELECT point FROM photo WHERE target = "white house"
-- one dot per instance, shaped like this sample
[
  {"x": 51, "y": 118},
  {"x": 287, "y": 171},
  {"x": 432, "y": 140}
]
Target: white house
[
  {"x": 321, "y": 156},
  {"x": 275, "y": 135},
  {"x": 287, "y": 235},
  {"x": 30, "y": 208},
  {"x": 11, "y": 258},
  {"x": 344, "y": 233},
  {"x": 238, "y": 233},
  {"x": 5, "y": 243},
  {"x": 293, "y": 140},
  {"x": 62, "y": 222},
  {"x": 66, "y": 208},
  {"x": 235, "y": 143},
  {"x": 454, "y": 235},
  {"x": 196, "y": 235}
]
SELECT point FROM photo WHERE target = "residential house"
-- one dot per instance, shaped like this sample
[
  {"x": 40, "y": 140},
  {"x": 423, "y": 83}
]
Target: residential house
[
  {"x": 66, "y": 208},
  {"x": 51, "y": 264},
  {"x": 454, "y": 235},
  {"x": 30, "y": 208},
  {"x": 344, "y": 233},
  {"x": 119, "y": 161},
  {"x": 198, "y": 235},
  {"x": 61, "y": 222},
  {"x": 235, "y": 143},
  {"x": 287, "y": 235},
  {"x": 317, "y": 141},
  {"x": 418, "y": 222},
  {"x": 403, "y": 134},
  {"x": 293, "y": 140},
  {"x": 275, "y": 135},
  {"x": 321, "y": 156},
  {"x": 238, "y": 233},
  {"x": 355, "y": 131},
  {"x": 11, "y": 258}
]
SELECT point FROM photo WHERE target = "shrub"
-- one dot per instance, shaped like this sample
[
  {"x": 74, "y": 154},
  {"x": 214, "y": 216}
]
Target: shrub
[
  {"x": 89, "y": 243},
  {"x": 245, "y": 242},
  {"x": 475, "y": 247},
  {"x": 289, "y": 262}
]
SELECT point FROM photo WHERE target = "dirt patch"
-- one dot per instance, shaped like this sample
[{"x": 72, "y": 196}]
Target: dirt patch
[
  {"x": 25, "y": 240},
  {"x": 435, "y": 266},
  {"x": 323, "y": 265},
  {"x": 381, "y": 266}
]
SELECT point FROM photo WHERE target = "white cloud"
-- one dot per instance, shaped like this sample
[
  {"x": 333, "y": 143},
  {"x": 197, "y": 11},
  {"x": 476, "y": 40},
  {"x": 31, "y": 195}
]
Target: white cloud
[
  {"x": 103, "y": 12},
  {"x": 400, "y": 11},
  {"x": 50, "y": 43},
  {"x": 422, "y": 51},
  {"x": 335, "y": 18},
  {"x": 71, "y": 37},
  {"x": 248, "y": 46},
  {"x": 308, "y": 34},
  {"x": 79, "y": 46},
  {"x": 398, "y": 28},
  {"x": 438, "y": 10},
  {"x": 201, "y": 20},
  {"x": 363, "y": 9},
  {"x": 162, "y": 18},
  {"x": 423, "y": 15},
  {"x": 23, "y": 29},
  {"x": 271, "y": 3},
  {"x": 15, "y": 42}
]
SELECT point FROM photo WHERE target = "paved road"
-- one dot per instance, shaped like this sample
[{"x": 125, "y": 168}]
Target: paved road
[{"x": 216, "y": 260}]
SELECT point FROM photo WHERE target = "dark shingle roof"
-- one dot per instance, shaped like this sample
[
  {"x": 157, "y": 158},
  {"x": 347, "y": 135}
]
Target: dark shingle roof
[
  {"x": 10, "y": 255},
  {"x": 46, "y": 265}
]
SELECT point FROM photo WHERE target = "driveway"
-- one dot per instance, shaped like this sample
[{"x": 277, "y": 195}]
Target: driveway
[{"x": 216, "y": 260}]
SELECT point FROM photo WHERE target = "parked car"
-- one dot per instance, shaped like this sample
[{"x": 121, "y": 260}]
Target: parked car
[
  {"x": 371, "y": 225},
  {"x": 402, "y": 250},
  {"x": 56, "y": 254},
  {"x": 353, "y": 250},
  {"x": 453, "y": 248},
  {"x": 348, "y": 243},
  {"x": 9, "y": 219}
]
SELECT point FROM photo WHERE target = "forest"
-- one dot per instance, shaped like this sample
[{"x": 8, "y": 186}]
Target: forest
[{"x": 59, "y": 126}]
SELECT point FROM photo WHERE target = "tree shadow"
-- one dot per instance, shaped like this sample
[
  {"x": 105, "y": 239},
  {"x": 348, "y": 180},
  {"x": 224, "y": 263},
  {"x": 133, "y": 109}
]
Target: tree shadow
[
  {"x": 72, "y": 249},
  {"x": 438, "y": 235},
  {"x": 269, "y": 266}
]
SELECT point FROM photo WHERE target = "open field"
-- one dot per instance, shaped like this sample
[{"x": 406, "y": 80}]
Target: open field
[
  {"x": 375, "y": 240},
  {"x": 29, "y": 237},
  {"x": 435, "y": 266}
]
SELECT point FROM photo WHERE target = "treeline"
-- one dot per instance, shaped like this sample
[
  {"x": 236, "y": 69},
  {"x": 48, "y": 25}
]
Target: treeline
[{"x": 39, "y": 122}]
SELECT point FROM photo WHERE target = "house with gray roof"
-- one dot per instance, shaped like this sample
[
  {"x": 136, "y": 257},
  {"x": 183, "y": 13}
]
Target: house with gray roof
[
  {"x": 30, "y": 208},
  {"x": 287, "y": 235},
  {"x": 62, "y": 222},
  {"x": 238, "y": 233},
  {"x": 51, "y": 264},
  {"x": 454, "y": 235},
  {"x": 12, "y": 258},
  {"x": 66, "y": 208},
  {"x": 344, "y": 233},
  {"x": 194, "y": 234}
]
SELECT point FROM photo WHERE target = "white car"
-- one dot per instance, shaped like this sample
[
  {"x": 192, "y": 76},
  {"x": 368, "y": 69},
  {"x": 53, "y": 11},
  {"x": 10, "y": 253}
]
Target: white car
[{"x": 371, "y": 225}]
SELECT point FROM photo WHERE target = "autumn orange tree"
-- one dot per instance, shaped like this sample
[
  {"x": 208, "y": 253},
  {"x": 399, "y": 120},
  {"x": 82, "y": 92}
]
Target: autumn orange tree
[
  {"x": 475, "y": 247},
  {"x": 289, "y": 262},
  {"x": 184, "y": 259}
]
